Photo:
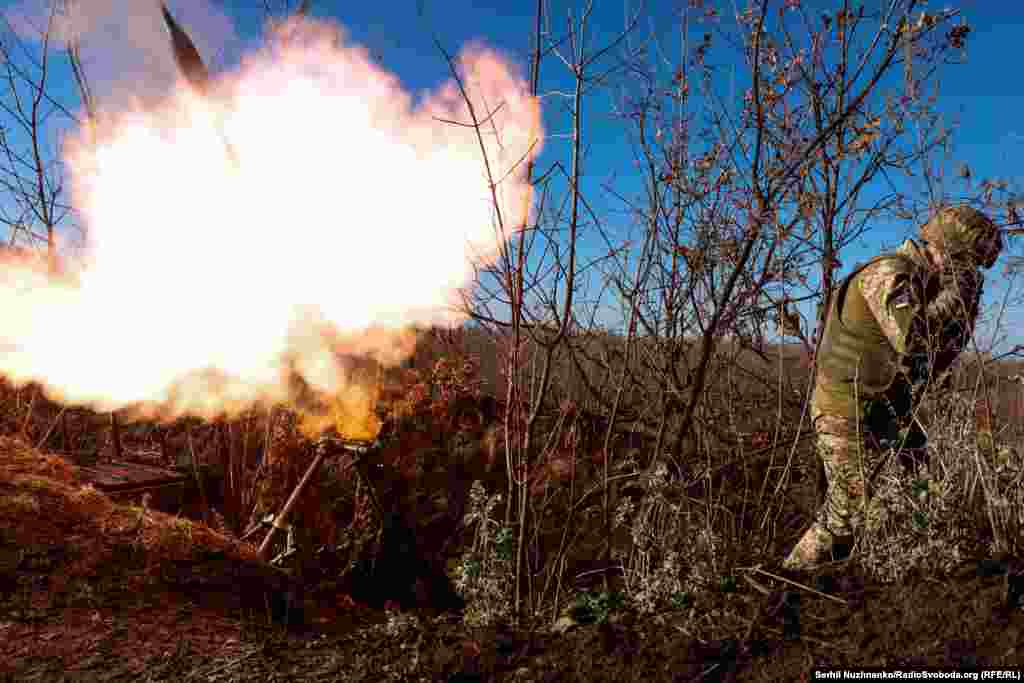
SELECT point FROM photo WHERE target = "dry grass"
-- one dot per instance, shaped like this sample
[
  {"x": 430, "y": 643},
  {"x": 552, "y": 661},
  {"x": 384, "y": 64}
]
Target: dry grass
[
  {"x": 65, "y": 511},
  {"x": 741, "y": 494},
  {"x": 967, "y": 503},
  {"x": 680, "y": 536},
  {"x": 85, "y": 566},
  {"x": 21, "y": 460}
]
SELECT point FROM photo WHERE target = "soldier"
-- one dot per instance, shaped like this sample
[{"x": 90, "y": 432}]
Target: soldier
[{"x": 895, "y": 324}]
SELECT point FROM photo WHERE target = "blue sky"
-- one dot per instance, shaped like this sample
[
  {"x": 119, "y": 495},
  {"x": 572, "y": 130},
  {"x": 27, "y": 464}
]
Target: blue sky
[{"x": 982, "y": 94}]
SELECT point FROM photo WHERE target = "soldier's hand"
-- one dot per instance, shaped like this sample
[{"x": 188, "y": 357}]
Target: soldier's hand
[
  {"x": 962, "y": 285},
  {"x": 950, "y": 316},
  {"x": 918, "y": 366}
]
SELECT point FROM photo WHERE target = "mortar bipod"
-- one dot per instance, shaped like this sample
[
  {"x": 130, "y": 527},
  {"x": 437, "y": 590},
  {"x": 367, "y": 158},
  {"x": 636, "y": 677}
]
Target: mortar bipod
[{"x": 362, "y": 452}]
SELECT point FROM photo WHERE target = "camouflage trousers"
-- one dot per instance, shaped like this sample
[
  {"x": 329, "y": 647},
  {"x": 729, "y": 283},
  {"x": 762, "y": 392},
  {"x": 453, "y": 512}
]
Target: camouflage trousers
[{"x": 849, "y": 460}]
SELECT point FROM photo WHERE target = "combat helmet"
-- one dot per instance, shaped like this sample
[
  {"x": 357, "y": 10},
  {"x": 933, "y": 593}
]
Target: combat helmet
[{"x": 964, "y": 231}]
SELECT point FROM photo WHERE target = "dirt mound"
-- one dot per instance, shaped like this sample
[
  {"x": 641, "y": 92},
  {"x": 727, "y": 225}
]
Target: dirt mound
[{"x": 83, "y": 579}]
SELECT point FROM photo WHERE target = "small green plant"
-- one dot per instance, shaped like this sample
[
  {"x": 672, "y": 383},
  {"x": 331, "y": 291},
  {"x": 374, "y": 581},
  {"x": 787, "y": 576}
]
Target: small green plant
[
  {"x": 675, "y": 554},
  {"x": 485, "y": 571},
  {"x": 504, "y": 544},
  {"x": 681, "y": 600},
  {"x": 595, "y": 608},
  {"x": 471, "y": 567},
  {"x": 920, "y": 520}
]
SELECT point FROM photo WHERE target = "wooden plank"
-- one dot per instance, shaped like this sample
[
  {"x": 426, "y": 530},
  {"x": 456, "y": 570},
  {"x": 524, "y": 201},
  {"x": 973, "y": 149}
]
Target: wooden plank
[{"x": 124, "y": 475}]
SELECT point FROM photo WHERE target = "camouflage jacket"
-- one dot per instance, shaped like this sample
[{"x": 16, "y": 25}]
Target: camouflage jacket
[{"x": 885, "y": 318}]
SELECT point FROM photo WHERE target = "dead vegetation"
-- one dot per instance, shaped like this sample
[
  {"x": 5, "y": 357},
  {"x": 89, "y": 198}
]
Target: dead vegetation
[{"x": 691, "y": 568}]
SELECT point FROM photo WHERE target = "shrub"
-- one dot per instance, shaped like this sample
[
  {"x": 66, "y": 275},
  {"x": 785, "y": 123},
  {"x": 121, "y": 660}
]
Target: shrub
[{"x": 485, "y": 573}]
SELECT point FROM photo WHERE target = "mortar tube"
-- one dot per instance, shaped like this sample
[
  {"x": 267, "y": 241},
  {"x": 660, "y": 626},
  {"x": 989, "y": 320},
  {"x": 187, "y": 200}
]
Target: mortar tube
[{"x": 282, "y": 517}]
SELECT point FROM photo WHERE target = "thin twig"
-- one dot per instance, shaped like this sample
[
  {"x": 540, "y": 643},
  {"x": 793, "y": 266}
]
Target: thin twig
[
  {"x": 225, "y": 667},
  {"x": 795, "y": 584},
  {"x": 51, "y": 428},
  {"x": 809, "y": 639}
]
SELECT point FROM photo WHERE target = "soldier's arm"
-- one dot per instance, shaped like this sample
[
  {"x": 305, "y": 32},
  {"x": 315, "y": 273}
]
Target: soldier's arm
[
  {"x": 893, "y": 300},
  {"x": 950, "y": 318},
  {"x": 957, "y": 303}
]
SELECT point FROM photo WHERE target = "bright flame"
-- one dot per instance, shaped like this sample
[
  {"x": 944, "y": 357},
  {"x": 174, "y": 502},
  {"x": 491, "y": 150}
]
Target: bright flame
[
  {"x": 351, "y": 413},
  {"x": 306, "y": 210}
]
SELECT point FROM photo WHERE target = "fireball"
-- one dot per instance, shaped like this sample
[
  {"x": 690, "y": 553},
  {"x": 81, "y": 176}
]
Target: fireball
[{"x": 276, "y": 221}]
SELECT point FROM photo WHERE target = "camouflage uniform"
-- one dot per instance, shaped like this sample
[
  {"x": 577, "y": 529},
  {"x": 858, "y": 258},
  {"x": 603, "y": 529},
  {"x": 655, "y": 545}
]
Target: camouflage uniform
[{"x": 895, "y": 323}]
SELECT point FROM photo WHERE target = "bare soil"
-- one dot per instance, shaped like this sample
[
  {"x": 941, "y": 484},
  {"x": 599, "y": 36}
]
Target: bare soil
[{"x": 95, "y": 590}]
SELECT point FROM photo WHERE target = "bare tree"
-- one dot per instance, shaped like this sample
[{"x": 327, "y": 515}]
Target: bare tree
[
  {"x": 529, "y": 298},
  {"x": 749, "y": 194},
  {"x": 31, "y": 171}
]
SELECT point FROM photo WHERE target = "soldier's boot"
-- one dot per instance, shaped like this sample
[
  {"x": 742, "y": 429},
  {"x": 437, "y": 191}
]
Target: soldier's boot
[{"x": 817, "y": 546}]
